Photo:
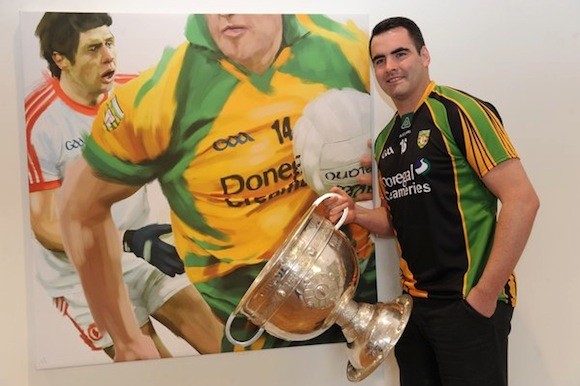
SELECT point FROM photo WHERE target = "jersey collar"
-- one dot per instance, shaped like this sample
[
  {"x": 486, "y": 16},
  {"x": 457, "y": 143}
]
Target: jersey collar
[
  {"x": 425, "y": 95},
  {"x": 407, "y": 119},
  {"x": 78, "y": 107}
]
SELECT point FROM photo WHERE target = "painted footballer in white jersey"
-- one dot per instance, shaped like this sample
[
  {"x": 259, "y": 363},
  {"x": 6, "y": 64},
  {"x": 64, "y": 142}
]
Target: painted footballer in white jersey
[{"x": 56, "y": 127}]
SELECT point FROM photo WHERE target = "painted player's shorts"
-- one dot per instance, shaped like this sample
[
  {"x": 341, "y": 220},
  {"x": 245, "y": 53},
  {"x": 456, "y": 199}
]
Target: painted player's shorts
[{"x": 148, "y": 288}]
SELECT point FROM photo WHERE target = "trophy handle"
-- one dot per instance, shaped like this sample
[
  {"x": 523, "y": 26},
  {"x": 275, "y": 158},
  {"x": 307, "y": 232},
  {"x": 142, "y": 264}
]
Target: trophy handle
[
  {"x": 344, "y": 212},
  {"x": 232, "y": 340}
]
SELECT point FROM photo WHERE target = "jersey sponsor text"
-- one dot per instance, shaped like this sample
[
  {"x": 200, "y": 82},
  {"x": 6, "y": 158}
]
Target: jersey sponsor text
[{"x": 403, "y": 184}]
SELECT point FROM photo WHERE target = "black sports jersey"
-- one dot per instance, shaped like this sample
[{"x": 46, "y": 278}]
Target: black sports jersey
[{"x": 431, "y": 163}]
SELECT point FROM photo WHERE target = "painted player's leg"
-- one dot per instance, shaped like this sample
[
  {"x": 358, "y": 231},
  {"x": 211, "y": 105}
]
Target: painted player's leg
[
  {"x": 110, "y": 351},
  {"x": 175, "y": 303},
  {"x": 366, "y": 291},
  {"x": 75, "y": 308},
  {"x": 149, "y": 330},
  {"x": 188, "y": 316},
  {"x": 149, "y": 290}
]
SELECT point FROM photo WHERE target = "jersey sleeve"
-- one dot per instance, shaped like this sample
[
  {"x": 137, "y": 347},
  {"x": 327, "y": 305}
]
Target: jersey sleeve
[
  {"x": 379, "y": 142},
  {"x": 43, "y": 153},
  {"x": 485, "y": 140},
  {"x": 132, "y": 131}
]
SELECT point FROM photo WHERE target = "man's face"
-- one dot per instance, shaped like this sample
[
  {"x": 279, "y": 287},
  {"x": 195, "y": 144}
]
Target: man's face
[
  {"x": 401, "y": 71},
  {"x": 246, "y": 39},
  {"x": 94, "y": 67}
]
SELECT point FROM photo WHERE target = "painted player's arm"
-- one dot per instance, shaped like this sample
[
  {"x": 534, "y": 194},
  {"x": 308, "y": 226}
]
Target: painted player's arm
[
  {"x": 376, "y": 220},
  {"x": 519, "y": 204},
  {"x": 91, "y": 241},
  {"x": 46, "y": 227},
  {"x": 44, "y": 220}
]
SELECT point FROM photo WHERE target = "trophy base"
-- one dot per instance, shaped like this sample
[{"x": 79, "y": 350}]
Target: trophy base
[{"x": 386, "y": 329}]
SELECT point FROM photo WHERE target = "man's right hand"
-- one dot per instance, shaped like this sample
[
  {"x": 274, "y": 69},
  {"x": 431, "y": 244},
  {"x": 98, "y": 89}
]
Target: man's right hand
[
  {"x": 335, "y": 206},
  {"x": 366, "y": 179}
]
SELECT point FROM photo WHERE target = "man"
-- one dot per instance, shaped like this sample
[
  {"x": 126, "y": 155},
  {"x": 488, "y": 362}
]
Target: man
[
  {"x": 444, "y": 160},
  {"x": 213, "y": 123},
  {"x": 80, "y": 51}
]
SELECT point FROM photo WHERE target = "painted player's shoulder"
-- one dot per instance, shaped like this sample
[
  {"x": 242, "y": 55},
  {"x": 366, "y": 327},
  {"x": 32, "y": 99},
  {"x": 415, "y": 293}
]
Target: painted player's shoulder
[
  {"x": 326, "y": 26},
  {"x": 39, "y": 98},
  {"x": 39, "y": 91}
]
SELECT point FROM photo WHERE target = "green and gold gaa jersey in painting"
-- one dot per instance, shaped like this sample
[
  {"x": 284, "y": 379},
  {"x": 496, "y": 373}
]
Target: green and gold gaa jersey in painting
[
  {"x": 219, "y": 139},
  {"x": 431, "y": 163}
]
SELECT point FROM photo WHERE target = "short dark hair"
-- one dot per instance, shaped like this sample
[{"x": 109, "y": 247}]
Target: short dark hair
[
  {"x": 399, "y": 21},
  {"x": 60, "y": 32}
]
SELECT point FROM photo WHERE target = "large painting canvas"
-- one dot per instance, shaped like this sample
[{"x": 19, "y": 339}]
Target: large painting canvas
[{"x": 225, "y": 128}]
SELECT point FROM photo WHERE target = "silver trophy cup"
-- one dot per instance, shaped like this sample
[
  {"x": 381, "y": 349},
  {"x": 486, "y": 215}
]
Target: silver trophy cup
[{"x": 308, "y": 285}]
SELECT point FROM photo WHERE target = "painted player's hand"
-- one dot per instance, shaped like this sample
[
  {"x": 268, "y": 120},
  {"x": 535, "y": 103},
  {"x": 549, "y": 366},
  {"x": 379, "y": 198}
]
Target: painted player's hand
[
  {"x": 365, "y": 179},
  {"x": 146, "y": 243},
  {"x": 139, "y": 349}
]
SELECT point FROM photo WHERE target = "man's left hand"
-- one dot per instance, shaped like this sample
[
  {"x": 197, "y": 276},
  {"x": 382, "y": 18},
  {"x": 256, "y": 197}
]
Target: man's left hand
[{"x": 481, "y": 302}]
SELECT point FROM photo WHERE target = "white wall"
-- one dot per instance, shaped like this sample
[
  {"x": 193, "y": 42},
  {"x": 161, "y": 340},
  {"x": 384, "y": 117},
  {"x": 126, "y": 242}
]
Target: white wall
[{"x": 523, "y": 56}]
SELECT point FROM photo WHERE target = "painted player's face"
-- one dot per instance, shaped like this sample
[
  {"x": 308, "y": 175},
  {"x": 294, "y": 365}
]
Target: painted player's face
[
  {"x": 401, "y": 71},
  {"x": 93, "y": 70},
  {"x": 249, "y": 40}
]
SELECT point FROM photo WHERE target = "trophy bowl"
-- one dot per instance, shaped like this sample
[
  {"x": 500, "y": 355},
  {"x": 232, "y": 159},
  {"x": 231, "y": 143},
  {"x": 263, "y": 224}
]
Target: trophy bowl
[{"x": 308, "y": 285}]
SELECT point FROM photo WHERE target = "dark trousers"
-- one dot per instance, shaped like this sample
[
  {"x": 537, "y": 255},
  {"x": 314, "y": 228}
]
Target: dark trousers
[{"x": 448, "y": 343}]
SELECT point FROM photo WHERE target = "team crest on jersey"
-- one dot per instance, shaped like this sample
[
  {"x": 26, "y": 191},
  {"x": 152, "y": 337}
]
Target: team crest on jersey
[
  {"x": 113, "y": 115},
  {"x": 406, "y": 122},
  {"x": 423, "y": 138}
]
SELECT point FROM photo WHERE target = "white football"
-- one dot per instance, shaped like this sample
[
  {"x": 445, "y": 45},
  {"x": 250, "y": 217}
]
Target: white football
[{"x": 331, "y": 137}]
